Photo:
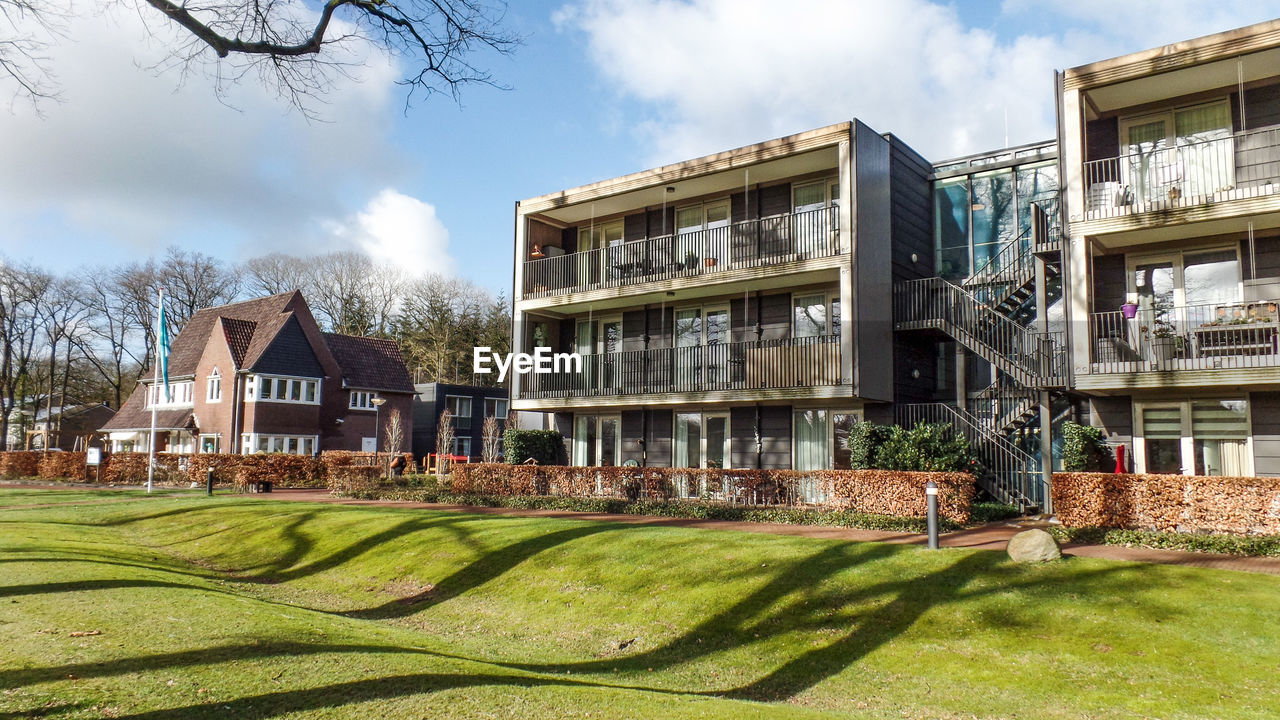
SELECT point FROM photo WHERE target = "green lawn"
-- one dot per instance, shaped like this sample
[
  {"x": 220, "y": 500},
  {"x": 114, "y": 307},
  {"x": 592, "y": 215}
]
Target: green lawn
[{"x": 244, "y": 607}]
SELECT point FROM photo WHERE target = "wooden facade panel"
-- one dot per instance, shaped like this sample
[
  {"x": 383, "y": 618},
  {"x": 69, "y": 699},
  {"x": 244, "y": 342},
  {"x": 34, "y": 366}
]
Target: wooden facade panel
[
  {"x": 1264, "y": 410},
  {"x": 742, "y": 431},
  {"x": 658, "y": 442},
  {"x": 910, "y": 212},
  {"x": 775, "y": 437},
  {"x": 632, "y": 431}
]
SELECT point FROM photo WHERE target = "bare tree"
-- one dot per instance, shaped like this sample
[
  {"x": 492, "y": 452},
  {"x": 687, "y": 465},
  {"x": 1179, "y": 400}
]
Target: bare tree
[
  {"x": 23, "y": 291},
  {"x": 110, "y": 343},
  {"x": 59, "y": 319},
  {"x": 274, "y": 274},
  {"x": 438, "y": 325},
  {"x": 490, "y": 440},
  {"x": 193, "y": 280},
  {"x": 394, "y": 433},
  {"x": 294, "y": 49},
  {"x": 444, "y": 442}
]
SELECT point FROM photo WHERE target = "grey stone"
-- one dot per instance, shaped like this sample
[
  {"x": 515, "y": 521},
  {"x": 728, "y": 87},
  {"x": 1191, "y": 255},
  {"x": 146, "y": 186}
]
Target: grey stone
[{"x": 1031, "y": 546}]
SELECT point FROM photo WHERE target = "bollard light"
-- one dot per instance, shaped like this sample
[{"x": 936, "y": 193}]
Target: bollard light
[
  {"x": 931, "y": 495},
  {"x": 208, "y": 482}
]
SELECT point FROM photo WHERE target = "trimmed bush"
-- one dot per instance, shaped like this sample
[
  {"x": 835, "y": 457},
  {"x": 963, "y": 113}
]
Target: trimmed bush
[
  {"x": 63, "y": 466},
  {"x": 881, "y": 492},
  {"x": 1085, "y": 449},
  {"x": 1168, "y": 503},
  {"x": 546, "y": 447},
  {"x": 19, "y": 464},
  {"x": 354, "y": 479},
  {"x": 130, "y": 468}
]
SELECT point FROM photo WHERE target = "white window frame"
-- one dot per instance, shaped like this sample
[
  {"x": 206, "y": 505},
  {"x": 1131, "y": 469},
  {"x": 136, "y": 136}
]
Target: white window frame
[
  {"x": 1178, "y": 259},
  {"x": 828, "y": 297},
  {"x": 578, "y": 443},
  {"x": 279, "y": 444},
  {"x": 830, "y": 193},
  {"x": 217, "y": 442},
  {"x": 361, "y": 400},
  {"x": 459, "y": 417},
  {"x": 256, "y": 382},
  {"x": 181, "y": 392},
  {"x": 458, "y": 441},
  {"x": 1188, "y": 442},
  {"x": 213, "y": 387},
  {"x": 831, "y": 412},
  {"x": 504, "y": 403}
]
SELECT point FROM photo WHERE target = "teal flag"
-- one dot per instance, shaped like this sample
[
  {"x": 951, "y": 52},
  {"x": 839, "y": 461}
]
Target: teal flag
[{"x": 162, "y": 349}]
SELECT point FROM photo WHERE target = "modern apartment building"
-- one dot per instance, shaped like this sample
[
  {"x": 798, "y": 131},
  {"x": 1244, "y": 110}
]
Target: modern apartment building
[
  {"x": 1172, "y": 198},
  {"x": 742, "y": 309},
  {"x": 260, "y": 377}
]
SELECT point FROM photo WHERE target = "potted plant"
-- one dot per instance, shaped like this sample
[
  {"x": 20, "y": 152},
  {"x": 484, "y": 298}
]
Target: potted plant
[
  {"x": 1130, "y": 310},
  {"x": 709, "y": 262},
  {"x": 1165, "y": 343}
]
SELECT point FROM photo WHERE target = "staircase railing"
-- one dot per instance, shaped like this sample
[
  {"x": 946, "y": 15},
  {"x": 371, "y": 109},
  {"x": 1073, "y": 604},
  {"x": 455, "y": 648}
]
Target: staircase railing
[
  {"x": 1013, "y": 265},
  {"x": 1002, "y": 403},
  {"x": 1034, "y": 358},
  {"x": 1009, "y": 473}
]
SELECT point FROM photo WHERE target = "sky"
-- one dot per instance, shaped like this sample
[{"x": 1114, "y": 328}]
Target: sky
[{"x": 136, "y": 155}]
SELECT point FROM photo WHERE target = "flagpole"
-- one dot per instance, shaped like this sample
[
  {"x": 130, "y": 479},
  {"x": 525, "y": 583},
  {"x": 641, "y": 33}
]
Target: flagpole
[{"x": 155, "y": 388}]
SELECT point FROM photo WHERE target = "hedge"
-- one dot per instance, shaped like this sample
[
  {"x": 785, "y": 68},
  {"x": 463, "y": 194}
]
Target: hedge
[
  {"x": 240, "y": 470},
  {"x": 1168, "y": 503},
  {"x": 1263, "y": 546},
  {"x": 19, "y": 464},
  {"x": 881, "y": 492},
  {"x": 546, "y": 447}
]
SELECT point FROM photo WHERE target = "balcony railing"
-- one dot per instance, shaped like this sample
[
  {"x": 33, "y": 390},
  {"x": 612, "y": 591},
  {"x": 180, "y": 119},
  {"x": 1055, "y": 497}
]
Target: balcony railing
[
  {"x": 754, "y": 243},
  {"x": 1193, "y": 337},
  {"x": 756, "y": 365},
  {"x": 1240, "y": 165}
]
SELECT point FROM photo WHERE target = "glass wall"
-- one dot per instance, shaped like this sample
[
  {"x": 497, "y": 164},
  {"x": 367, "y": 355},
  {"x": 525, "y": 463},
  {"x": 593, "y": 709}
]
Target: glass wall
[{"x": 977, "y": 214}]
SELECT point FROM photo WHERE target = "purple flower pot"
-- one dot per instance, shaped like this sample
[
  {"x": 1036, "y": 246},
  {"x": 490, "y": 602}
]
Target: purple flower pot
[{"x": 1130, "y": 310}]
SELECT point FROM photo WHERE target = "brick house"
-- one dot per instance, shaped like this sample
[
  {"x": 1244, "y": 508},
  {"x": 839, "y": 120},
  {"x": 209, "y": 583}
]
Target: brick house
[{"x": 260, "y": 376}]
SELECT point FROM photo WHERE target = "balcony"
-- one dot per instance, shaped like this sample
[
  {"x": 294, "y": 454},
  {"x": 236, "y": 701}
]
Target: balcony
[
  {"x": 756, "y": 365},
  {"x": 1193, "y": 337},
  {"x": 754, "y": 243},
  {"x": 1238, "y": 166}
]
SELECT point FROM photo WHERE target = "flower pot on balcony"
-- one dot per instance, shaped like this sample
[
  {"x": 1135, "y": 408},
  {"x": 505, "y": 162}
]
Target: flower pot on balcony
[
  {"x": 709, "y": 262},
  {"x": 1164, "y": 350},
  {"x": 1130, "y": 310}
]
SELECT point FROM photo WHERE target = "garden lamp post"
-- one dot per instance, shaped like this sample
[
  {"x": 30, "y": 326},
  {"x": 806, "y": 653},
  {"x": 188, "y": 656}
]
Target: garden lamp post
[{"x": 377, "y": 403}]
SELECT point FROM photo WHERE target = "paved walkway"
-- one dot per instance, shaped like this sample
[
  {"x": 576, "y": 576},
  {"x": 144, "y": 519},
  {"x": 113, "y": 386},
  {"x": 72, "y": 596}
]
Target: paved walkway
[{"x": 993, "y": 536}]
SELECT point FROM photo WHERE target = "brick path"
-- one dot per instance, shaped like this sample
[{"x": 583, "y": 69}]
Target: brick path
[{"x": 993, "y": 536}]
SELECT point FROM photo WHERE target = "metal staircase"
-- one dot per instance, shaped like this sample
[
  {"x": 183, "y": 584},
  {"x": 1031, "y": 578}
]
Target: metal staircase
[{"x": 989, "y": 313}]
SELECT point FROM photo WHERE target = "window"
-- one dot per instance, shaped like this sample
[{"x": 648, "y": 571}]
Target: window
[
  {"x": 459, "y": 406},
  {"x": 1184, "y": 152},
  {"x": 180, "y": 394},
  {"x": 362, "y": 400},
  {"x": 811, "y": 447},
  {"x": 495, "y": 407},
  {"x": 814, "y": 315},
  {"x": 816, "y": 195},
  {"x": 462, "y": 446},
  {"x": 213, "y": 391},
  {"x": 272, "y": 388},
  {"x": 1196, "y": 437},
  {"x": 1180, "y": 291},
  {"x": 597, "y": 440},
  {"x": 702, "y": 440},
  {"x": 286, "y": 444},
  {"x": 210, "y": 444}
]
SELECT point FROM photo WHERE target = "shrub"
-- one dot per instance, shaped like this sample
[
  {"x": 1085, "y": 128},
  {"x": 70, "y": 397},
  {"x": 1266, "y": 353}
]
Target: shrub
[
  {"x": 19, "y": 464},
  {"x": 883, "y": 492},
  {"x": 354, "y": 479},
  {"x": 63, "y": 466},
  {"x": 865, "y": 439},
  {"x": 130, "y": 468},
  {"x": 1085, "y": 449},
  {"x": 1177, "y": 503},
  {"x": 544, "y": 446},
  {"x": 1268, "y": 545},
  {"x": 923, "y": 448}
]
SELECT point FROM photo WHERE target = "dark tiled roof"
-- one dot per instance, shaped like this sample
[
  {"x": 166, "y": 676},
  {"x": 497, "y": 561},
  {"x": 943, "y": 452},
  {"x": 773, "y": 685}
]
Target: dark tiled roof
[
  {"x": 287, "y": 352},
  {"x": 134, "y": 415},
  {"x": 188, "y": 346},
  {"x": 239, "y": 334},
  {"x": 370, "y": 363}
]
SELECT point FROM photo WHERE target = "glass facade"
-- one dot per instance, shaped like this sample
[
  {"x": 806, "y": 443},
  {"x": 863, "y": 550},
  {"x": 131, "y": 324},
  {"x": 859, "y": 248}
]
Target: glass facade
[{"x": 978, "y": 214}]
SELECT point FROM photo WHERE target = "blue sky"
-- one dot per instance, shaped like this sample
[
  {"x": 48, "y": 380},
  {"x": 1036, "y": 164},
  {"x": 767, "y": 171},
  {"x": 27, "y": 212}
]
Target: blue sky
[{"x": 133, "y": 158}]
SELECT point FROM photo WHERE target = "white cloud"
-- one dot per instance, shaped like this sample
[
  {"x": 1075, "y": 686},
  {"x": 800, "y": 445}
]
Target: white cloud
[
  {"x": 137, "y": 159},
  {"x": 398, "y": 230},
  {"x": 714, "y": 74}
]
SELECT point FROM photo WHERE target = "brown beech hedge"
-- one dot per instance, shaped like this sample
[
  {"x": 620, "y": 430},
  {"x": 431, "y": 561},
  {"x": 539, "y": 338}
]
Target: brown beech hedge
[
  {"x": 239, "y": 470},
  {"x": 882, "y": 492},
  {"x": 1179, "y": 503}
]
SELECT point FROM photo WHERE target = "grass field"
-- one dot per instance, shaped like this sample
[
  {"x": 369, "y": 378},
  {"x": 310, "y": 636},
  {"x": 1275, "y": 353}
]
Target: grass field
[{"x": 237, "y": 607}]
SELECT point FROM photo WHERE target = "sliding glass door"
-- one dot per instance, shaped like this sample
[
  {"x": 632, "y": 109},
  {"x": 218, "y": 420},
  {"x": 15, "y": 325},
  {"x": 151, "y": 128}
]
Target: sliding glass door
[{"x": 1196, "y": 437}]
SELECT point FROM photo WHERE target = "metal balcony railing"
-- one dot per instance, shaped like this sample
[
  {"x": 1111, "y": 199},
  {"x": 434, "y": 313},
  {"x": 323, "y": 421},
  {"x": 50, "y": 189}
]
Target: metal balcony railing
[
  {"x": 1190, "y": 337},
  {"x": 1238, "y": 165},
  {"x": 753, "y": 243},
  {"x": 756, "y": 365}
]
